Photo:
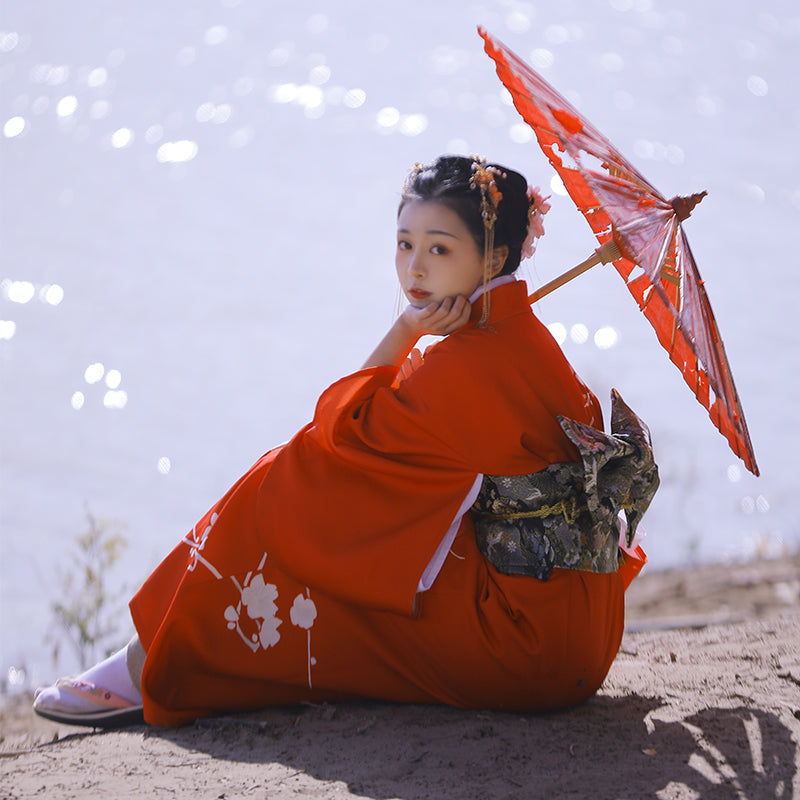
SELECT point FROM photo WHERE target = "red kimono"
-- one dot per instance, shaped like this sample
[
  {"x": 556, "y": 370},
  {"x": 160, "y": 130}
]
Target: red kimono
[{"x": 308, "y": 579}]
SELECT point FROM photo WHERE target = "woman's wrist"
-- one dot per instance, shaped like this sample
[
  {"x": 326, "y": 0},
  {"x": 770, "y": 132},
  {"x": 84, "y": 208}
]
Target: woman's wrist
[{"x": 395, "y": 346}]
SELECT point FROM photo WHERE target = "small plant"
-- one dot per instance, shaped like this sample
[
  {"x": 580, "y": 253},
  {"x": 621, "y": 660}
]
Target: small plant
[{"x": 87, "y": 612}]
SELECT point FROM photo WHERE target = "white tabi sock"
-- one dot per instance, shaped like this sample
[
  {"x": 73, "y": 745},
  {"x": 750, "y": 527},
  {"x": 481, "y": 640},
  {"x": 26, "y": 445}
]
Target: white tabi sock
[{"x": 111, "y": 675}]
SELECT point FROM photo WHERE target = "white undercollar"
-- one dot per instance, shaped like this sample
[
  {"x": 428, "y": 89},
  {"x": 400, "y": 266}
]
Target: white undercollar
[{"x": 492, "y": 284}]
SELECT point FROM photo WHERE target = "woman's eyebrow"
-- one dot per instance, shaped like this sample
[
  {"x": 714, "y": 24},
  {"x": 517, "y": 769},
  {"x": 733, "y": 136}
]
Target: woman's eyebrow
[
  {"x": 433, "y": 232},
  {"x": 443, "y": 233}
]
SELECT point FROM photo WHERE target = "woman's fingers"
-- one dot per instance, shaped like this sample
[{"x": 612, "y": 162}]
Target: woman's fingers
[
  {"x": 440, "y": 318},
  {"x": 451, "y": 314}
]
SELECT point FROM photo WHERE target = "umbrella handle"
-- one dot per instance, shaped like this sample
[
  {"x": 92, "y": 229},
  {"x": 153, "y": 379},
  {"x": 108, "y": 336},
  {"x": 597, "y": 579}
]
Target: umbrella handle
[{"x": 605, "y": 253}]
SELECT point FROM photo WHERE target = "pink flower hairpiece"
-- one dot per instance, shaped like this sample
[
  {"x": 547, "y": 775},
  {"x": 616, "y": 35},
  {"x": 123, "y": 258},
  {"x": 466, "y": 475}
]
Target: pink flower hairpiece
[{"x": 537, "y": 208}]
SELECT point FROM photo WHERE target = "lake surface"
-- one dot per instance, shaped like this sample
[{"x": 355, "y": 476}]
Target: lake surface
[{"x": 197, "y": 236}]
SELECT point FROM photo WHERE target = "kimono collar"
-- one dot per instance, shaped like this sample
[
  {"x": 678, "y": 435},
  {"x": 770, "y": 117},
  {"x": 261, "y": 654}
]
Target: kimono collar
[
  {"x": 509, "y": 297},
  {"x": 493, "y": 283}
]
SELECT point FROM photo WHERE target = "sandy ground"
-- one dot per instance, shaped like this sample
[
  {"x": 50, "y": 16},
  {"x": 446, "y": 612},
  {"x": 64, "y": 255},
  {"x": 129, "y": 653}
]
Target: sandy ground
[{"x": 702, "y": 702}]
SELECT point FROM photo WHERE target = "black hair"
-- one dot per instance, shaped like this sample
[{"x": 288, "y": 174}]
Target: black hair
[{"x": 447, "y": 181}]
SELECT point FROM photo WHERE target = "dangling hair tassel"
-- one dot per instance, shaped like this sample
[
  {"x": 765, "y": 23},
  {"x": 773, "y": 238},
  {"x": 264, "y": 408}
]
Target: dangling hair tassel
[
  {"x": 483, "y": 178},
  {"x": 488, "y": 250}
]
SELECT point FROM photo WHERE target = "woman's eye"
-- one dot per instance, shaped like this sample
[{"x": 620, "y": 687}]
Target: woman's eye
[
  {"x": 438, "y": 250},
  {"x": 403, "y": 245}
]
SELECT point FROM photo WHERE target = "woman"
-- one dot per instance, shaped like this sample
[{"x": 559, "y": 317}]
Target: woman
[{"x": 346, "y": 563}]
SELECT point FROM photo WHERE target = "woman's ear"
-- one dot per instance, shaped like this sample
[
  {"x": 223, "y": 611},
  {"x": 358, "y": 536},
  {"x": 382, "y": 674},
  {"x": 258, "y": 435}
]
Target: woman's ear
[{"x": 499, "y": 256}]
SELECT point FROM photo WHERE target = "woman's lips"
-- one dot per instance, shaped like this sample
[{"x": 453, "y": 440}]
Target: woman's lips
[{"x": 419, "y": 294}]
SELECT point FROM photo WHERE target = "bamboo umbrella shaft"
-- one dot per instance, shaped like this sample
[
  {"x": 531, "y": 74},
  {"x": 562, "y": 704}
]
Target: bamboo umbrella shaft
[{"x": 605, "y": 253}]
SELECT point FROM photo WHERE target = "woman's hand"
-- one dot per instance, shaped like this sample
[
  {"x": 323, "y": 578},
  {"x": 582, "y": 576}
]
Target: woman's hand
[{"x": 439, "y": 319}]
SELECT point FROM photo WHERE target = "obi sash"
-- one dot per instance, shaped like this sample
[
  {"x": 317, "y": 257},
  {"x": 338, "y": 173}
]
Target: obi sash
[{"x": 568, "y": 514}]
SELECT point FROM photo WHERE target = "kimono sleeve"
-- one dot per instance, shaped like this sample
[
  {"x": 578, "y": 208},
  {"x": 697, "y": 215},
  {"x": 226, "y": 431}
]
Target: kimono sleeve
[{"x": 357, "y": 503}]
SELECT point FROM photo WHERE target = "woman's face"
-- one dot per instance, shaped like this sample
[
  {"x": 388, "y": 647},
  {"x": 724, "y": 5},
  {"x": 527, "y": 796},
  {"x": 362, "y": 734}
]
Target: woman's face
[{"x": 436, "y": 255}]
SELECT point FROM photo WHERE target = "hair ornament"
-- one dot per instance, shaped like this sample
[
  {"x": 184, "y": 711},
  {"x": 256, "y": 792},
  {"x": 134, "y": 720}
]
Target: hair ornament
[
  {"x": 484, "y": 179},
  {"x": 412, "y": 176},
  {"x": 537, "y": 208}
]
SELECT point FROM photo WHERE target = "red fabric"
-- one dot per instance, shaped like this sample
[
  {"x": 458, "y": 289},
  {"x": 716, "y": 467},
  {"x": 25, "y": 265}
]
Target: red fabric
[
  {"x": 633, "y": 561},
  {"x": 301, "y": 583}
]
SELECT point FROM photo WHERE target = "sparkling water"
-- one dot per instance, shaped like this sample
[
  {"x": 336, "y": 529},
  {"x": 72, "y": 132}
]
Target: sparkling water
[{"x": 197, "y": 236}]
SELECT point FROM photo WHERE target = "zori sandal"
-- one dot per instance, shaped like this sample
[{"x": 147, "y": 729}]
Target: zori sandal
[{"x": 110, "y": 710}]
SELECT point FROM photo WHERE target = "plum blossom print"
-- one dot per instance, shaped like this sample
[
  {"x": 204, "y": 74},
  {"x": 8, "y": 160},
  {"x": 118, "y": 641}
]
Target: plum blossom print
[
  {"x": 196, "y": 542},
  {"x": 302, "y": 614},
  {"x": 255, "y": 617}
]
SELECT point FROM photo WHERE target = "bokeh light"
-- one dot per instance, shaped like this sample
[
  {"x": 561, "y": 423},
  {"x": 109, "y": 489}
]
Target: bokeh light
[
  {"x": 121, "y": 138},
  {"x": 67, "y": 106},
  {"x": 579, "y": 333},
  {"x": 97, "y": 77},
  {"x": 21, "y": 292},
  {"x": 558, "y": 331},
  {"x": 52, "y": 294},
  {"x": 605, "y": 337},
  {"x": 13, "y": 127},
  {"x": 757, "y": 86},
  {"x": 115, "y": 399},
  {"x": 216, "y": 34},
  {"x": 94, "y": 372},
  {"x": 113, "y": 378},
  {"x": 177, "y": 152}
]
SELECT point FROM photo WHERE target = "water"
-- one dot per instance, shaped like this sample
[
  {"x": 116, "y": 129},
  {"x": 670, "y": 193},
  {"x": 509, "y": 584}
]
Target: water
[{"x": 198, "y": 231}]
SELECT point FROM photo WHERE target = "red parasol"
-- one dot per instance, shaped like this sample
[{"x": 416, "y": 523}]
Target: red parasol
[{"x": 640, "y": 231}]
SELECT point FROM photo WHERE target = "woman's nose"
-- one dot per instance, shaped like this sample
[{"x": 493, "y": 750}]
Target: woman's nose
[{"x": 415, "y": 265}]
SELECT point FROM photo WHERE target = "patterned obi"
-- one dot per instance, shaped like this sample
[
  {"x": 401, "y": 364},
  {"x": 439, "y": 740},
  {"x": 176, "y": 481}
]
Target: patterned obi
[{"x": 567, "y": 515}]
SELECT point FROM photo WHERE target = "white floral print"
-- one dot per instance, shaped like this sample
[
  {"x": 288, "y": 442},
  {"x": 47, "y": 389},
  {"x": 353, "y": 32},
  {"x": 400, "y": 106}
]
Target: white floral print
[
  {"x": 303, "y": 613},
  {"x": 255, "y": 616},
  {"x": 258, "y": 597},
  {"x": 197, "y": 542}
]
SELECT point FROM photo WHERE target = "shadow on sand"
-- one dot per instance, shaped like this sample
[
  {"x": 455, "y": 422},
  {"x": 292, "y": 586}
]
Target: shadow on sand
[{"x": 608, "y": 747}]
